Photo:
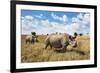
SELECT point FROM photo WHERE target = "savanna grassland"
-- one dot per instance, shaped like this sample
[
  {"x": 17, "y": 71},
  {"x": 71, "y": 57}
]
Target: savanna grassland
[{"x": 36, "y": 52}]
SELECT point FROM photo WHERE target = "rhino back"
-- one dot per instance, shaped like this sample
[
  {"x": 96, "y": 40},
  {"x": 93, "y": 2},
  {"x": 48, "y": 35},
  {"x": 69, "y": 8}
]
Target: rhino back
[
  {"x": 58, "y": 41},
  {"x": 29, "y": 37}
]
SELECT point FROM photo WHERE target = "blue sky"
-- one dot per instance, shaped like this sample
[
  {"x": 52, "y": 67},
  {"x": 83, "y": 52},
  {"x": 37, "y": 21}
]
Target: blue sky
[
  {"x": 47, "y": 14},
  {"x": 54, "y": 21}
]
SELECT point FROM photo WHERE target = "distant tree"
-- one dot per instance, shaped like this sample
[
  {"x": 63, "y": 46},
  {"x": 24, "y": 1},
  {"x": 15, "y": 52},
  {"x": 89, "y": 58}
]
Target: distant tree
[
  {"x": 33, "y": 33},
  {"x": 59, "y": 33},
  {"x": 47, "y": 34},
  {"x": 56, "y": 32},
  {"x": 80, "y": 34},
  {"x": 87, "y": 33}
]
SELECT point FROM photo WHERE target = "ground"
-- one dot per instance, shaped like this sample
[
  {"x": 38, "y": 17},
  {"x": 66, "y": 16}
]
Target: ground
[{"x": 36, "y": 52}]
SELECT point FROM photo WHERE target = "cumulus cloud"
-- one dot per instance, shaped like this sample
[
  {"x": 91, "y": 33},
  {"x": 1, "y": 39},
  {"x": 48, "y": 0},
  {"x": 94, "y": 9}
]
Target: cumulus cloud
[
  {"x": 39, "y": 16},
  {"x": 80, "y": 24},
  {"x": 62, "y": 18},
  {"x": 29, "y": 23},
  {"x": 73, "y": 27},
  {"x": 82, "y": 21},
  {"x": 40, "y": 26}
]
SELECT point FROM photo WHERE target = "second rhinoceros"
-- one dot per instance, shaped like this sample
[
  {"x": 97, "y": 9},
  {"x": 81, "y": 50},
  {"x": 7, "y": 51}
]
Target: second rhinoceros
[{"x": 60, "y": 41}]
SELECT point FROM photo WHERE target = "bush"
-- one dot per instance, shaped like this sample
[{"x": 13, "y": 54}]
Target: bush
[
  {"x": 80, "y": 34},
  {"x": 33, "y": 33}
]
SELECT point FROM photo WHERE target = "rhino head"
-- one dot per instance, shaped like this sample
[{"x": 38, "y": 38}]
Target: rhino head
[{"x": 72, "y": 41}]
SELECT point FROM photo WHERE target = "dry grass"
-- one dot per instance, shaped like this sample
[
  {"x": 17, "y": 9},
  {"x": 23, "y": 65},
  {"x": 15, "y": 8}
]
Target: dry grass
[{"x": 36, "y": 52}]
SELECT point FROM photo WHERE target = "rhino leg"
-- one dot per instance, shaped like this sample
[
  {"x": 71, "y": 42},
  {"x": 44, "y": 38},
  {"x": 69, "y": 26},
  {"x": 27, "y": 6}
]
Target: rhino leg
[
  {"x": 50, "y": 46},
  {"x": 26, "y": 41},
  {"x": 46, "y": 45},
  {"x": 64, "y": 48}
]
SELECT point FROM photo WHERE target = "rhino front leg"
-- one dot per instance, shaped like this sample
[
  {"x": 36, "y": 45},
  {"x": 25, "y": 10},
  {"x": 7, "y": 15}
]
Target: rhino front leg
[
  {"x": 64, "y": 48},
  {"x": 46, "y": 45}
]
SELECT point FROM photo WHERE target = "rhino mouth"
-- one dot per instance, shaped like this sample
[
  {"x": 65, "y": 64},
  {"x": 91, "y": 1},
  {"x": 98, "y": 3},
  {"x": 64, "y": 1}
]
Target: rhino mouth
[{"x": 73, "y": 44}]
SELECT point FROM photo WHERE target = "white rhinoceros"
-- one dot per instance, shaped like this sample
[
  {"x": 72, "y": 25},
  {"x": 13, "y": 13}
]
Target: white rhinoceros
[{"x": 60, "y": 41}]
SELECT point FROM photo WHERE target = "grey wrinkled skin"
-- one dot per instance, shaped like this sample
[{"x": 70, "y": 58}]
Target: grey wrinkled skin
[
  {"x": 59, "y": 41},
  {"x": 30, "y": 39}
]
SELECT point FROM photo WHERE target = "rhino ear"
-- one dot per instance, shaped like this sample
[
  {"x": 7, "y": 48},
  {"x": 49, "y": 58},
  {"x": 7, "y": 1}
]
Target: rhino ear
[{"x": 75, "y": 35}]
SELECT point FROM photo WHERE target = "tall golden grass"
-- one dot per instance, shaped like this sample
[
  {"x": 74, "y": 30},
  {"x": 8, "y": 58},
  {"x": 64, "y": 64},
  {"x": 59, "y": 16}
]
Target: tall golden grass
[{"x": 36, "y": 52}]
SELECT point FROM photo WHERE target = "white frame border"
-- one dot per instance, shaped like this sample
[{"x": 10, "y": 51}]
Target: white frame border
[{"x": 51, "y": 64}]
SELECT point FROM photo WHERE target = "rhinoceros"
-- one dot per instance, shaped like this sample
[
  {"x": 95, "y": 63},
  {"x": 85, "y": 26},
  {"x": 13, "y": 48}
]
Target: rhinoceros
[
  {"x": 30, "y": 39},
  {"x": 60, "y": 41}
]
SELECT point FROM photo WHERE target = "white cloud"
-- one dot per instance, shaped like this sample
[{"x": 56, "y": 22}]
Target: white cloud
[
  {"x": 46, "y": 23},
  {"x": 51, "y": 27},
  {"x": 73, "y": 27},
  {"x": 83, "y": 22},
  {"x": 29, "y": 17},
  {"x": 80, "y": 16},
  {"x": 80, "y": 24},
  {"x": 86, "y": 19},
  {"x": 40, "y": 26},
  {"x": 29, "y": 23},
  {"x": 62, "y": 18},
  {"x": 39, "y": 16},
  {"x": 75, "y": 20}
]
